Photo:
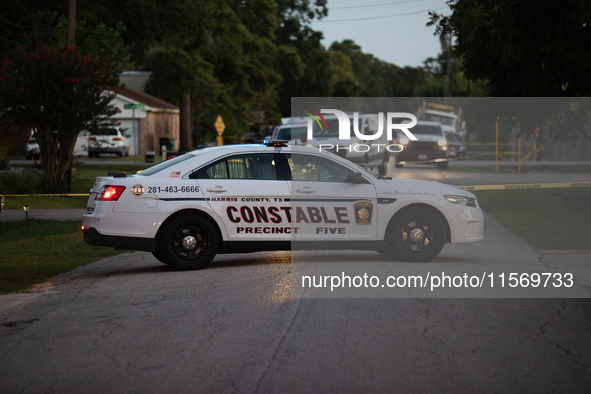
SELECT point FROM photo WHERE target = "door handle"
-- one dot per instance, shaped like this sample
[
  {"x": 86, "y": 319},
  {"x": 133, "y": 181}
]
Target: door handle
[
  {"x": 218, "y": 189},
  {"x": 305, "y": 190}
]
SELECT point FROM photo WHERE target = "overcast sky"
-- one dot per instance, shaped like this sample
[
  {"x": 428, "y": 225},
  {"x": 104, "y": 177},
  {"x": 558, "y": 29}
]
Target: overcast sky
[{"x": 384, "y": 30}]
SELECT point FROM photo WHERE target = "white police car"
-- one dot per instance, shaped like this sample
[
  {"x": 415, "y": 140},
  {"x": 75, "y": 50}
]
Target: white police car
[{"x": 241, "y": 198}]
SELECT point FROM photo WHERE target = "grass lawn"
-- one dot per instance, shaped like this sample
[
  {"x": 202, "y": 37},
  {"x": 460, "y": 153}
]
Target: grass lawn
[
  {"x": 545, "y": 218},
  {"x": 83, "y": 177},
  {"x": 45, "y": 203},
  {"x": 476, "y": 169},
  {"x": 34, "y": 250}
]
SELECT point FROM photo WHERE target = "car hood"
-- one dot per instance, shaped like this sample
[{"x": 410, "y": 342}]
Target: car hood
[{"x": 403, "y": 186}]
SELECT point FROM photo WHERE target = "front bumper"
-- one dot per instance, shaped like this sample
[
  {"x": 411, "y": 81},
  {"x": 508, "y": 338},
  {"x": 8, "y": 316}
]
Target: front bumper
[
  {"x": 112, "y": 149},
  {"x": 420, "y": 155}
]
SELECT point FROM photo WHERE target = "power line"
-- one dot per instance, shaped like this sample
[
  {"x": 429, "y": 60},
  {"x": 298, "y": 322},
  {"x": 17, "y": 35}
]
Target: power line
[
  {"x": 374, "y": 5},
  {"x": 382, "y": 17}
]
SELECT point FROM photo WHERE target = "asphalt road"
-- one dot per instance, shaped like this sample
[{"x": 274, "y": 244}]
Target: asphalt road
[{"x": 131, "y": 324}]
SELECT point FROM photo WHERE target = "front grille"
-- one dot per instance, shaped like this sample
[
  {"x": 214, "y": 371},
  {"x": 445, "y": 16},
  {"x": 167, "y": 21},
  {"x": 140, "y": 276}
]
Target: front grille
[{"x": 421, "y": 146}]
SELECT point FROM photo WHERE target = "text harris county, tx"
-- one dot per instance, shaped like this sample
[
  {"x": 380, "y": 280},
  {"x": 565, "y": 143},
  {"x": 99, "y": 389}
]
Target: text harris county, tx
[{"x": 246, "y": 199}]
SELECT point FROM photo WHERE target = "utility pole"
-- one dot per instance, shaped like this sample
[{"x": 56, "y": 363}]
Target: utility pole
[
  {"x": 71, "y": 44},
  {"x": 447, "y": 93},
  {"x": 72, "y": 24}
]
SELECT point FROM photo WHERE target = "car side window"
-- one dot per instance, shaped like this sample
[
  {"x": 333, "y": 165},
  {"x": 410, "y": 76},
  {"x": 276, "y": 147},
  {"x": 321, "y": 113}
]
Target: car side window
[
  {"x": 313, "y": 168},
  {"x": 249, "y": 166}
]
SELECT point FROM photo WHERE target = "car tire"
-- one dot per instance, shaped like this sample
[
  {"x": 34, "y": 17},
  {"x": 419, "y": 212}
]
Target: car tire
[
  {"x": 443, "y": 165},
  {"x": 159, "y": 257},
  {"x": 189, "y": 242},
  {"x": 416, "y": 235}
]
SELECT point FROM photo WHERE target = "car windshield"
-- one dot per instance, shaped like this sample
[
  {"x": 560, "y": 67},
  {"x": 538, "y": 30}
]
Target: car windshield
[
  {"x": 331, "y": 129},
  {"x": 426, "y": 129},
  {"x": 291, "y": 132},
  {"x": 446, "y": 120},
  {"x": 165, "y": 164}
]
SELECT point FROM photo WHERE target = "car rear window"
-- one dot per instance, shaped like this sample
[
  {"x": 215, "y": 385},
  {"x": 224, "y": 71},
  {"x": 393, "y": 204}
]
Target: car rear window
[{"x": 165, "y": 164}]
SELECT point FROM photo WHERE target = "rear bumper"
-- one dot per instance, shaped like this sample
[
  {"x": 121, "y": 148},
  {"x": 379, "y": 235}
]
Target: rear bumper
[
  {"x": 112, "y": 149},
  {"x": 93, "y": 237}
]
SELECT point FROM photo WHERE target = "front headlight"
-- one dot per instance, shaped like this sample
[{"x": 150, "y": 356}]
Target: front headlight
[
  {"x": 461, "y": 200},
  {"x": 442, "y": 142},
  {"x": 403, "y": 141}
]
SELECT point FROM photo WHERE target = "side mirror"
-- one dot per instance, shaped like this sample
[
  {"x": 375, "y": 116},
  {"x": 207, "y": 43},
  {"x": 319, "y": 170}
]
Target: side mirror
[{"x": 355, "y": 177}]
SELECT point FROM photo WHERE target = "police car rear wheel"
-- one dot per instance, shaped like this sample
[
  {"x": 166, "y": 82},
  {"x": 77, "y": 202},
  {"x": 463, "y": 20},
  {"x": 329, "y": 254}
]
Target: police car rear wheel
[
  {"x": 189, "y": 242},
  {"x": 417, "y": 235}
]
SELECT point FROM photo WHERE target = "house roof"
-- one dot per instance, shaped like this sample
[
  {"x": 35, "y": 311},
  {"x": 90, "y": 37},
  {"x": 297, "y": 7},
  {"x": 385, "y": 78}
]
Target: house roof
[{"x": 145, "y": 98}]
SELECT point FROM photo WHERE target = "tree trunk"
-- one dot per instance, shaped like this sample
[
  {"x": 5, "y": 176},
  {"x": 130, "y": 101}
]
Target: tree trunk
[{"x": 186, "y": 143}]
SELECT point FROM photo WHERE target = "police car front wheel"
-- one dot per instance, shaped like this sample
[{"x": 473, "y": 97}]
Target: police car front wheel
[
  {"x": 417, "y": 235},
  {"x": 189, "y": 242}
]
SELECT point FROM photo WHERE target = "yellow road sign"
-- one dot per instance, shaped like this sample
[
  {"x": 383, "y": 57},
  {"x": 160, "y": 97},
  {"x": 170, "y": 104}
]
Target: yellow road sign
[{"x": 219, "y": 125}]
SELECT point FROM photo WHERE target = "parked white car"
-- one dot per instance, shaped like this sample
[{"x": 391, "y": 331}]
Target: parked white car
[
  {"x": 32, "y": 149},
  {"x": 109, "y": 140},
  {"x": 237, "y": 198},
  {"x": 289, "y": 132}
]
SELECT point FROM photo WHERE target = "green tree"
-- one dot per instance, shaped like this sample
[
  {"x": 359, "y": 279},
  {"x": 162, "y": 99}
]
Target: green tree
[
  {"x": 57, "y": 93},
  {"x": 522, "y": 47},
  {"x": 355, "y": 73},
  {"x": 304, "y": 63},
  {"x": 24, "y": 21}
]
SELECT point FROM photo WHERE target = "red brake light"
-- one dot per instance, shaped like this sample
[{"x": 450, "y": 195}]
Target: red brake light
[
  {"x": 112, "y": 193},
  {"x": 92, "y": 139},
  {"x": 116, "y": 139}
]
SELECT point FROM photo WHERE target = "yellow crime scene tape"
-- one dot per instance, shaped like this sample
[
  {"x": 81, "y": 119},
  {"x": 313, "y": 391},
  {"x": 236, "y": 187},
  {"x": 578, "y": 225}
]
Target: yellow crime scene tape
[
  {"x": 526, "y": 186},
  {"x": 48, "y": 195}
]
